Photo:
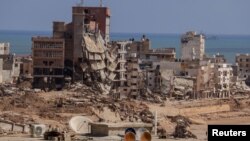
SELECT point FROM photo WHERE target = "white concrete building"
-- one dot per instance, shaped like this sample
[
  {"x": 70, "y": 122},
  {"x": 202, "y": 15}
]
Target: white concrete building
[
  {"x": 192, "y": 46},
  {"x": 223, "y": 79},
  {"x": 4, "y": 48}
]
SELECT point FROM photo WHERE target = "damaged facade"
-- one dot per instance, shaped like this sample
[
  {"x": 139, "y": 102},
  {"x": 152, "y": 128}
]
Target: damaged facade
[
  {"x": 88, "y": 56},
  {"x": 192, "y": 46},
  {"x": 48, "y": 62},
  {"x": 223, "y": 80},
  {"x": 125, "y": 68},
  {"x": 9, "y": 66},
  {"x": 243, "y": 62},
  {"x": 82, "y": 48}
]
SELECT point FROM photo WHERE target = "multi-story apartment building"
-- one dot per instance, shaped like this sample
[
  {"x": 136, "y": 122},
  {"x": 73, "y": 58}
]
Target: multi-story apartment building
[
  {"x": 243, "y": 62},
  {"x": 48, "y": 61},
  {"x": 223, "y": 80},
  {"x": 192, "y": 46}
]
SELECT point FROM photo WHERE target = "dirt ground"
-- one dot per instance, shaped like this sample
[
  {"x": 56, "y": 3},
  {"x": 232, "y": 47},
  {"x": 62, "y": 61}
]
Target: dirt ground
[{"x": 57, "y": 107}]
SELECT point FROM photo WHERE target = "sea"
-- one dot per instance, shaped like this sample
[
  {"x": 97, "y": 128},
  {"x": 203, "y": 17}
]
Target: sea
[{"x": 228, "y": 45}]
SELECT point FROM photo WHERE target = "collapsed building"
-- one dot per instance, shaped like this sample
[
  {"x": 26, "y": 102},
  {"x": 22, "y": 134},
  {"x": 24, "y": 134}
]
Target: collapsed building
[
  {"x": 75, "y": 50},
  {"x": 82, "y": 51}
]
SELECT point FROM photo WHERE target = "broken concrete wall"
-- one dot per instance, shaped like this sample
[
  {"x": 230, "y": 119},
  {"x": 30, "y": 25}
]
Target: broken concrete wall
[
  {"x": 98, "y": 65},
  {"x": 6, "y": 69},
  {"x": 175, "y": 66},
  {"x": 167, "y": 81}
]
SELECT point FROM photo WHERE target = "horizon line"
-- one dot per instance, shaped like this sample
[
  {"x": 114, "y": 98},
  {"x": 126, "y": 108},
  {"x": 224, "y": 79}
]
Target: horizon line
[{"x": 120, "y": 32}]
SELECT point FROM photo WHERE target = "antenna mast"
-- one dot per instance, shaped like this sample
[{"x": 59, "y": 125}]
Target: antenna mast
[
  {"x": 100, "y": 3},
  {"x": 82, "y": 2}
]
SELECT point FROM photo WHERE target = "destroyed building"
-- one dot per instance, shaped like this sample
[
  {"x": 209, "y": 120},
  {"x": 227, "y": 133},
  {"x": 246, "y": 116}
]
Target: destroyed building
[
  {"x": 197, "y": 77},
  {"x": 243, "y": 62},
  {"x": 26, "y": 68},
  {"x": 89, "y": 57},
  {"x": 9, "y": 67},
  {"x": 192, "y": 46},
  {"x": 204, "y": 85},
  {"x": 81, "y": 44}
]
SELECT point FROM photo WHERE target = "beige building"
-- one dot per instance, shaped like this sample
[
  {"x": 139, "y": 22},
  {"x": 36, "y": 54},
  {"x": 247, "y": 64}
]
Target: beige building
[
  {"x": 4, "y": 48},
  {"x": 9, "y": 66},
  {"x": 154, "y": 79},
  {"x": 218, "y": 58},
  {"x": 48, "y": 61},
  {"x": 204, "y": 85},
  {"x": 144, "y": 51},
  {"x": 134, "y": 76},
  {"x": 243, "y": 62},
  {"x": 192, "y": 46},
  {"x": 26, "y": 68},
  {"x": 223, "y": 79}
]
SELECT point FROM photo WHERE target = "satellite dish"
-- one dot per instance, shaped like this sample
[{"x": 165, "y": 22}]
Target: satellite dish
[{"x": 80, "y": 124}]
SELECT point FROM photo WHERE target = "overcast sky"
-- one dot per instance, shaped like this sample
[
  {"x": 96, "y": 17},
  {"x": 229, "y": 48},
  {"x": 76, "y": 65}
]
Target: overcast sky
[{"x": 136, "y": 16}]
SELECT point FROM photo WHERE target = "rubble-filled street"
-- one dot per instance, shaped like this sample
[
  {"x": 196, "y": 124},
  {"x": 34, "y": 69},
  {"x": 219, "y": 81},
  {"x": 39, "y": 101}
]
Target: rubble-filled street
[
  {"x": 82, "y": 82},
  {"x": 56, "y": 108}
]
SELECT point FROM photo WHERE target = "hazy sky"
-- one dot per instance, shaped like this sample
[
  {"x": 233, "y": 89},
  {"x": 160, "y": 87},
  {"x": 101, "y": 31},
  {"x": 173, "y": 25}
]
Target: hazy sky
[{"x": 137, "y": 16}]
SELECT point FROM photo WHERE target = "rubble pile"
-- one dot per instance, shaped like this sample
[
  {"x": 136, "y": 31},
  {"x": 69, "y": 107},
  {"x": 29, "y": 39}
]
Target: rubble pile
[
  {"x": 7, "y": 90},
  {"x": 24, "y": 85},
  {"x": 12, "y": 89},
  {"x": 181, "y": 131},
  {"x": 152, "y": 97},
  {"x": 240, "y": 87},
  {"x": 99, "y": 65},
  {"x": 182, "y": 87},
  {"x": 127, "y": 110}
]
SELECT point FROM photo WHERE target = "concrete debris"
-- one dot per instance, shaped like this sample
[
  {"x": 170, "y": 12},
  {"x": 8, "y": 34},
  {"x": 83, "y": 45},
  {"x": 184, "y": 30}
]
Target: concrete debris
[
  {"x": 181, "y": 131},
  {"x": 98, "y": 71},
  {"x": 127, "y": 110},
  {"x": 241, "y": 86},
  {"x": 162, "y": 133}
]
